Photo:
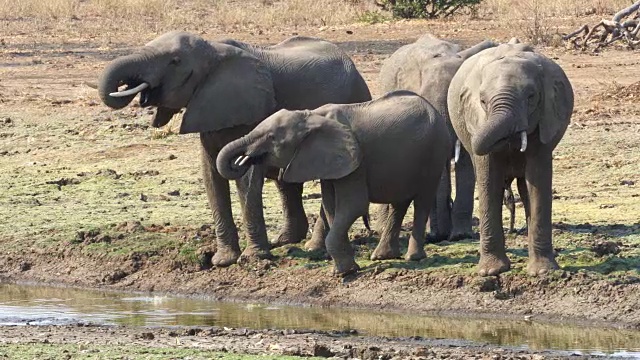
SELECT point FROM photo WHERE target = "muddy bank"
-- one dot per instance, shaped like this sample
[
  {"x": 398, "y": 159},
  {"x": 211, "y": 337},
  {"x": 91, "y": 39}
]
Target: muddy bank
[
  {"x": 268, "y": 342},
  {"x": 581, "y": 297}
]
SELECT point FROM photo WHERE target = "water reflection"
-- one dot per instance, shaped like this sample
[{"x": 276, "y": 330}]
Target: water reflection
[{"x": 48, "y": 305}]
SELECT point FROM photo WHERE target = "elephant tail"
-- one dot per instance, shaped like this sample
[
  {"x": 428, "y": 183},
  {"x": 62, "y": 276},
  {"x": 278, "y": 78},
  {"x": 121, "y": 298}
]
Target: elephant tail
[{"x": 365, "y": 219}]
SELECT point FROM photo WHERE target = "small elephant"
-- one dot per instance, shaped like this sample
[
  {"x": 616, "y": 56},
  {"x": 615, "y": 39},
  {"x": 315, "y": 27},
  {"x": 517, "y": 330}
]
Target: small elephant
[
  {"x": 510, "y": 203},
  {"x": 510, "y": 106},
  {"x": 227, "y": 88},
  {"x": 426, "y": 67},
  {"x": 391, "y": 150}
]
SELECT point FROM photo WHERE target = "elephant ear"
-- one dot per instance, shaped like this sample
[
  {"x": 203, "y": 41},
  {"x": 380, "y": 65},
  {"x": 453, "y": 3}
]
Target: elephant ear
[
  {"x": 328, "y": 151},
  {"x": 558, "y": 102},
  {"x": 238, "y": 91}
]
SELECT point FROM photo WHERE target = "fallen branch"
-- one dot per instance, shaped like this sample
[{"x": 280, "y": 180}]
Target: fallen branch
[{"x": 607, "y": 32}]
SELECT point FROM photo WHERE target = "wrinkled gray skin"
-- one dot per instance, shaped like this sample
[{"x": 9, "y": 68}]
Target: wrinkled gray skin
[
  {"x": 426, "y": 67},
  {"x": 391, "y": 150},
  {"x": 227, "y": 88},
  {"x": 494, "y": 97}
]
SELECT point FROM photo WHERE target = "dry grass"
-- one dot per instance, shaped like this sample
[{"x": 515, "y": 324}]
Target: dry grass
[
  {"x": 538, "y": 21},
  {"x": 244, "y": 14},
  {"x": 551, "y": 8}
]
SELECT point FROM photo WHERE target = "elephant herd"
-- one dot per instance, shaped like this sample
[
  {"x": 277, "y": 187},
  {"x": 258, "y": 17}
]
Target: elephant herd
[{"x": 300, "y": 111}]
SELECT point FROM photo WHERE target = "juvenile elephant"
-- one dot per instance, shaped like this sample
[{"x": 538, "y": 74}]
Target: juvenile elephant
[
  {"x": 510, "y": 202},
  {"x": 511, "y": 106},
  {"x": 391, "y": 150},
  {"x": 227, "y": 88},
  {"x": 426, "y": 67}
]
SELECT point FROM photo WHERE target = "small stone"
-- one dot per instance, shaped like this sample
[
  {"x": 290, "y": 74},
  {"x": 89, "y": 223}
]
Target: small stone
[
  {"x": 147, "y": 336},
  {"x": 25, "y": 266},
  {"x": 174, "y": 193},
  {"x": 322, "y": 351},
  {"x": 172, "y": 157},
  {"x": 605, "y": 248}
]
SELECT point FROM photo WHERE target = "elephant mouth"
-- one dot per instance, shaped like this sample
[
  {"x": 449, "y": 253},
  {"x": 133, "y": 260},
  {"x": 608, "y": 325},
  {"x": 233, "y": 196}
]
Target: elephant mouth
[
  {"x": 245, "y": 161},
  {"x": 150, "y": 96},
  {"x": 517, "y": 140}
]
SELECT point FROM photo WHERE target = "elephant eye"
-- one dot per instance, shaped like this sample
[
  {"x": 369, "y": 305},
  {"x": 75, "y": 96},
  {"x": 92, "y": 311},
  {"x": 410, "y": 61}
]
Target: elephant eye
[{"x": 175, "y": 61}]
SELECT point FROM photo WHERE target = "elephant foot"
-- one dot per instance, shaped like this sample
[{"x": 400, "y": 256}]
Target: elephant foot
[
  {"x": 314, "y": 244},
  {"x": 416, "y": 254},
  {"x": 254, "y": 253},
  {"x": 345, "y": 268},
  {"x": 491, "y": 265},
  {"x": 292, "y": 234},
  {"x": 541, "y": 265},
  {"x": 457, "y": 236},
  {"x": 433, "y": 238},
  {"x": 386, "y": 252},
  {"x": 225, "y": 257}
]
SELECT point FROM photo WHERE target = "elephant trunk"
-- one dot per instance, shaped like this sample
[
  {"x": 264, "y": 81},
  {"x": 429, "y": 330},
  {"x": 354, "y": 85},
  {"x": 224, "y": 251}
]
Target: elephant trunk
[
  {"x": 503, "y": 122},
  {"x": 127, "y": 70},
  {"x": 233, "y": 161}
]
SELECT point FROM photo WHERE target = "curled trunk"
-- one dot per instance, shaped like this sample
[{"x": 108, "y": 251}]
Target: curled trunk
[
  {"x": 499, "y": 126},
  {"x": 225, "y": 163},
  {"x": 123, "y": 70}
]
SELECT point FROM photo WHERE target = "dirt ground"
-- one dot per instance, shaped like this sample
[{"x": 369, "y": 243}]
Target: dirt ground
[
  {"x": 90, "y": 342},
  {"x": 96, "y": 198}
]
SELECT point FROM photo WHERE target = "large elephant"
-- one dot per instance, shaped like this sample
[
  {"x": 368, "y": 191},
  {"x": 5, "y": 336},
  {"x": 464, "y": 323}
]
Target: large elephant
[
  {"x": 426, "y": 67},
  {"x": 227, "y": 88},
  {"x": 511, "y": 106},
  {"x": 391, "y": 150}
]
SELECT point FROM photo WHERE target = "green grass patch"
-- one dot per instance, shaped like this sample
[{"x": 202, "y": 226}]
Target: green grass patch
[{"x": 69, "y": 351}]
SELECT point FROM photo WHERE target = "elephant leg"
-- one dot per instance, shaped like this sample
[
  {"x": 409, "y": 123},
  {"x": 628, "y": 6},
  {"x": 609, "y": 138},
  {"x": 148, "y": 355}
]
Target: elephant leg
[
  {"x": 440, "y": 218},
  {"x": 510, "y": 204},
  {"x": 382, "y": 216},
  {"x": 295, "y": 226},
  {"x": 217, "y": 187},
  {"x": 538, "y": 174},
  {"x": 524, "y": 196},
  {"x": 346, "y": 201},
  {"x": 250, "y": 193},
  {"x": 389, "y": 245},
  {"x": 462, "y": 212},
  {"x": 320, "y": 230},
  {"x": 416, "y": 251},
  {"x": 493, "y": 258},
  {"x": 421, "y": 210}
]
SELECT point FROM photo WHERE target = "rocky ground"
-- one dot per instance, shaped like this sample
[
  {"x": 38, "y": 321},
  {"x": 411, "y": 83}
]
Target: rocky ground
[{"x": 96, "y": 198}]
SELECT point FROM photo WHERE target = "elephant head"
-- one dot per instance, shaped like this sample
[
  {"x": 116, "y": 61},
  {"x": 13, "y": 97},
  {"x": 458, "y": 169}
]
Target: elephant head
[
  {"x": 508, "y": 95},
  {"x": 220, "y": 85},
  {"x": 305, "y": 145}
]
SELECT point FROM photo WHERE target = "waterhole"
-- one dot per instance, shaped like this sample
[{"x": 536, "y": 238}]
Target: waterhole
[{"x": 39, "y": 305}]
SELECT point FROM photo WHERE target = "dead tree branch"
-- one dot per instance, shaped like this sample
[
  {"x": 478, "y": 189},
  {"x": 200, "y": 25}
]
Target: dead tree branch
[{"x": 607, "y": 32}]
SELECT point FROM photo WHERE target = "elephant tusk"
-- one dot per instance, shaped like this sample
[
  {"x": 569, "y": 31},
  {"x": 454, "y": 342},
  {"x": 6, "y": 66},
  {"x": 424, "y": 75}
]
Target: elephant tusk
[
  {"x": 456, "y": 155},
  {"x": 523, "y": 141},
  {"x": 238, "y": 160},
  {"x": 129, "y": 92},
  {"x": 244, "y": 161}
]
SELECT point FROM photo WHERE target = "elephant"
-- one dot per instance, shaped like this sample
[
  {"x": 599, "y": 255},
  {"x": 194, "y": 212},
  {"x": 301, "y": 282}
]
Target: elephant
[
  {"x": 511, "y": 107},
  {"x": 391, "y": 150},
  {"x": 510, "y": 202},
  {"x": 227, "y": 88},
  {"x": 426, "y": 67}
]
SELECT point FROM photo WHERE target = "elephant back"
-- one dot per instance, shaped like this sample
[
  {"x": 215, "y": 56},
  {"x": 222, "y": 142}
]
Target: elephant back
[{"x": 310, "y": 72}]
